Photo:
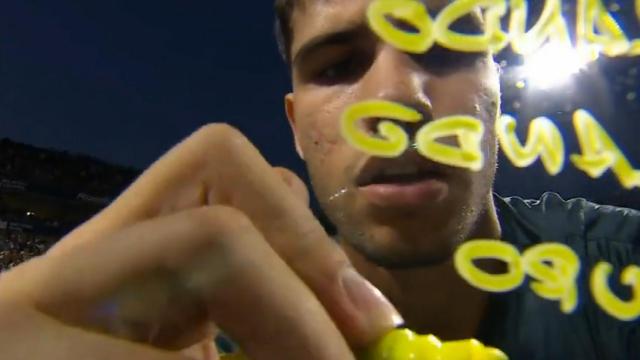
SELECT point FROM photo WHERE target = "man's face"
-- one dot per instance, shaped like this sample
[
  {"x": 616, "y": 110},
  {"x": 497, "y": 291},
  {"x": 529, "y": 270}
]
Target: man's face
[{"x": 418, "y": 215}]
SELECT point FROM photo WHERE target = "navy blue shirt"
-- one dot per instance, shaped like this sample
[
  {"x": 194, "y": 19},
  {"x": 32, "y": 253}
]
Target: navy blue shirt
[{"x": 525, "y": 326}]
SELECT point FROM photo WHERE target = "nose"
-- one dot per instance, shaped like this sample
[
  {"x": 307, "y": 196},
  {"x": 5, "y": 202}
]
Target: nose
[{"x": 393, "y": 76}]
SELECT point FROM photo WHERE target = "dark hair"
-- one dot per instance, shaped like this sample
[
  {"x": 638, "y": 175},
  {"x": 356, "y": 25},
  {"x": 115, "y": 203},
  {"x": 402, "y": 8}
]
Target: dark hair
[{"x": 284, "y": 32}]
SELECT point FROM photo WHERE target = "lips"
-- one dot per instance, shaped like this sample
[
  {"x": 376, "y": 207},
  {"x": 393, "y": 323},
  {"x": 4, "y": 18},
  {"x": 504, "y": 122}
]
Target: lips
[
  {"x": 406, "y": 178},
  {"x": 407, "y": 181},
  {"x": 410, "y": 167}
]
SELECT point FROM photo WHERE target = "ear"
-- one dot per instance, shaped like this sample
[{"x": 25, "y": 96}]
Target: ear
[{"x": 289, "y": 107}]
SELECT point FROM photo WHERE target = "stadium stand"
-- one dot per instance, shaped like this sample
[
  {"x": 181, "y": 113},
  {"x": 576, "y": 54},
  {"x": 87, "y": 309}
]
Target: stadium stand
[{"x": 45, "y": 193}]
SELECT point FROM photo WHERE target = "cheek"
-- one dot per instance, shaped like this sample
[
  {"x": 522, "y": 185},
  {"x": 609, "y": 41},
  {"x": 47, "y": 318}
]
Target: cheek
[
  {"x": 473, "y": 89},
  {"x": 466, "y": 101},
  {"x": 475, "y": 96},
  {"x": 319, "y": 143},
  {"x": 318, "y": 130}
]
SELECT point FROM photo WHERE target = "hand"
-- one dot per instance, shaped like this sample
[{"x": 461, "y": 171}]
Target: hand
[{"x": 209, "y": 236}]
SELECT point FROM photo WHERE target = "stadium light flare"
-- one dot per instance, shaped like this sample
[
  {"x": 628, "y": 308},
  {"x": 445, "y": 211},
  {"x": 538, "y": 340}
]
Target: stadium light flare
[{"x": 553, "y": 65}]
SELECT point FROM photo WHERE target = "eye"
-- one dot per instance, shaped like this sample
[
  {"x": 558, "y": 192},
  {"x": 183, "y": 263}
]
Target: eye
[{"x": 342, "y": 70}]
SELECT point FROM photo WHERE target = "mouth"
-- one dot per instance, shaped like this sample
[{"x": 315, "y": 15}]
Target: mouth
[{"x": 407, "y": 181}]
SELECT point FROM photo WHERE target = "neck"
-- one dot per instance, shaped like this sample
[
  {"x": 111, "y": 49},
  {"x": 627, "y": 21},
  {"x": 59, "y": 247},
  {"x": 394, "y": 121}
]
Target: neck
[{"x": 434, "y": 299}]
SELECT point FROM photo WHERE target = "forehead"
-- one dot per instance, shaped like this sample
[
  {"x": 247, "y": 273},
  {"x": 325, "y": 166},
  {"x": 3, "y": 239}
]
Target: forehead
[{"x": 316, "y": 17}]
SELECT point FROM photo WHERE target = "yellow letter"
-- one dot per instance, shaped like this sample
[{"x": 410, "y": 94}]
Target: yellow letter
[
  {"x": 634, "y": 48},
  {"x": 493, "y": 39},
  {"x": 544, "y": 141},
  {"x": 489, "y": 249},
  {"x": 600, "y": 153},
  {"x": 558, "y": 280},
  {"x": 610, "y": 303},
  {"x": 610, "y": 40},
  {"x": 410, "y": 11},
  {"x": 396, "y": 141},
  {"x": 551, "y": 25},
  {"x": 469, "y": 131}
]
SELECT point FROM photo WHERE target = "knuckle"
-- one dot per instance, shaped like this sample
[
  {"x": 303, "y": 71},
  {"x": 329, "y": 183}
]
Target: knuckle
[
  {"x": 227, "y": 235},
  {"x": 215, "y": 129},
  {"x": 217, "y": 223},
  {"x": 221, "y": 141},
  {"x": 220, "y": 134}
]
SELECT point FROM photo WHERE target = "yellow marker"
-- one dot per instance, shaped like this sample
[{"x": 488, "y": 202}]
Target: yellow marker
[
  {"x": 544, "y": 141},
  {"x": 558, "y": 280},
  {"x": 412, "y": 12},
  {"x": 395, "y": 140},
  {"x": 609, "y": 302},
  {"x": 493, "y": 38},
  {"x": 609, "y": 38},
  {"x": 550, "y": 26},
  {"x": 489, "y": 249},
  {"x": 469, "y": 132},
  {"x": 398, "y": 344},
  {"x": 403, "y": 344},
  {"x": 462, "y": 349},
  {"x": 600, "y": 153}
]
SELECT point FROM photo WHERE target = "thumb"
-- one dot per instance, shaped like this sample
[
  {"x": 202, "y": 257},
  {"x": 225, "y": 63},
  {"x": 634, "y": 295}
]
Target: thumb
[{"x": 295, "y": 184}]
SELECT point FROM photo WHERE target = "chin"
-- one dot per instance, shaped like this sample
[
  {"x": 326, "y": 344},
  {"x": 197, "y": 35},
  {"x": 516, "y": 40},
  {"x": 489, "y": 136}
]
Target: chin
[
  {"x": 412, "y": 238},
  {"x": 392, "y": 256},
  {"x": 405, "y": 245}
]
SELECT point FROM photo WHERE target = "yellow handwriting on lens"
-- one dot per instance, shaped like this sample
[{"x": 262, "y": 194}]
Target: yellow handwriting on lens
[
  {"x": 634, "y": 46},
  {"x": 493, "y": 37},
  {"x": 544, "y": 141},
  {"x": 609, "y": 302},
  {"x": 489, "y": 249},
  {"x": 412, "y": 12},
  {"x": 394, "y": 139},
  {"x": 551, "y": 26},
  {"x": 609, "y": 37},
  {"x": 600, "y": 153},
  {"x": 556, "y": 280},
  {"x": 469, "y": 132}
]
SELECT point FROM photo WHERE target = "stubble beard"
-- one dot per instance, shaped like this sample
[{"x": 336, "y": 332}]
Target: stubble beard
[{"x": 365, "y": 243}]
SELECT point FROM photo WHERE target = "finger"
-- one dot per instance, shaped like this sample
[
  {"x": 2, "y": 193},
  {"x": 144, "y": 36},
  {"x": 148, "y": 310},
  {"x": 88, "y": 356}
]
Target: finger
[
  {"x": 218, "y": 165},
  {"x": 220, "y": 269},
  {"x": 295, "y": 184},
  {"x": 27, "y": 334},
  {"x": 204, "y": 350},
  {"x": 360, "y": 311}
]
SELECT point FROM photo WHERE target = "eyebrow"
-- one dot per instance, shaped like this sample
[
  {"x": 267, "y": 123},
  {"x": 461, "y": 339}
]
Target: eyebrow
[
  {"x": 341, "y": 37},
  {"x": 468, "y": 23}
]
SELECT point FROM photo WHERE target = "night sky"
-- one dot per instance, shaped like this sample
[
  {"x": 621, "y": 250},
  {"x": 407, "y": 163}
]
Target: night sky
[{"x": 126, "y": 80}]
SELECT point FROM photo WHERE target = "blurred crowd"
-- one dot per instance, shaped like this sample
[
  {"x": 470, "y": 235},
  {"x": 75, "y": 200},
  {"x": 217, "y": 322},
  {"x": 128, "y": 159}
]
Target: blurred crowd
[
  {"x": 17, "y": 247},
  {"x": 46, "y": 193},
  {"x": 62, "y": 172}
]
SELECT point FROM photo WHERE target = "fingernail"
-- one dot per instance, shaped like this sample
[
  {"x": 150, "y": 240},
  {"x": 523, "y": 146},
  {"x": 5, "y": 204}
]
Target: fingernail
[{"x": 376, "y": 309}]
